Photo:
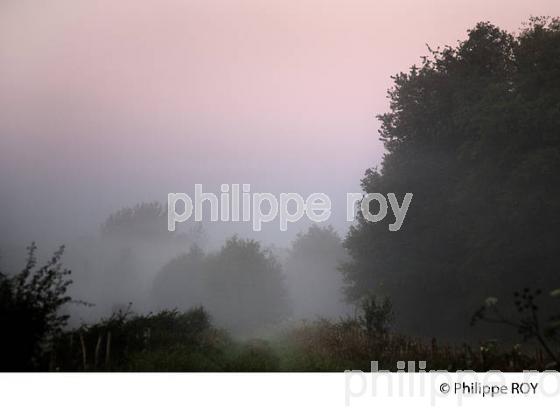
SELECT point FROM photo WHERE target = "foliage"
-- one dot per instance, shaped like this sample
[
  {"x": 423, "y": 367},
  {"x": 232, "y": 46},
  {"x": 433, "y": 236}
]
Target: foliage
[
  {"x": 128, "y": 341},
  {"x": 30, "y": 311},
  {"x": 376, "y": 316},
  {"x": 188, "y": 341},
  {"x": 345, "y": 344},
  {"x": 242, "y": 285},
  {"x": 314, "y": 257},
  {"x": 529, "y": 323},
  {"x": 165, "y": 341},
  {"x": 474, "y": 134},
  {"x": 145, "y": 220},
  {"x": 318, "y": 242}
]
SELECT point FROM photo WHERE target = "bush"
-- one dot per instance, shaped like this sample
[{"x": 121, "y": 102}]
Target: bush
[
  {"x": 30, "y": 317},
  {"x": 168, "y": 340}
]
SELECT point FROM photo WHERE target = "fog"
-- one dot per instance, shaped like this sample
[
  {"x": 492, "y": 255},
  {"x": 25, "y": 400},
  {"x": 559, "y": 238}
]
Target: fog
[{"x": 105, "y": 106}]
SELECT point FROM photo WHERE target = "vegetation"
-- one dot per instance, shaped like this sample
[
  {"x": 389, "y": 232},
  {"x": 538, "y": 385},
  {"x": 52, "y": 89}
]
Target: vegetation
[
  {"x": 145, "y": 220},
  {"x": 168, "y": 340},
  {"x": 36, "y": 338},
  {"x": 173, "y": 341},
  {"x": 30, "y": 311},
  {"x": 474, "y": 134},
  {"x": 529, "y": 324},
  {"x": 231, "y": 283},
  {"x": 314, "y": 258}
]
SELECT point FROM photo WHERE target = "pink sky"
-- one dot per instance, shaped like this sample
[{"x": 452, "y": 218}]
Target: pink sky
[{"x": 105, "y": 103}]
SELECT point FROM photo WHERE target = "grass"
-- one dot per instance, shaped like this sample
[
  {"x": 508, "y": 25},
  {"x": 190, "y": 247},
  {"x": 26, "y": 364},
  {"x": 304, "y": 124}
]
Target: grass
[{"x": 188, "y": 342}]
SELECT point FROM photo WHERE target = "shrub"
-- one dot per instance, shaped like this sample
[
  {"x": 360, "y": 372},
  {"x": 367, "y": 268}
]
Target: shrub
[
  {"x": 30, "y": 317},
  {"x": 153, "y": 342}
]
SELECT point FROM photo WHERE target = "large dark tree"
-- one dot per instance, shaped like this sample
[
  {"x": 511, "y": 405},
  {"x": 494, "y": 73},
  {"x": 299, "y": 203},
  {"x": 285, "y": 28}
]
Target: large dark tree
[{"x": 474, "y": 134}]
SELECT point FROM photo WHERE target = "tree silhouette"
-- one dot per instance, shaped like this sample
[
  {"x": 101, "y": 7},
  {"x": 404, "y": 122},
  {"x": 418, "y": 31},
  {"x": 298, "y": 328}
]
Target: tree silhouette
[
  {"x": 474, "y": 134},
  {"x": 30, "y": 311}
]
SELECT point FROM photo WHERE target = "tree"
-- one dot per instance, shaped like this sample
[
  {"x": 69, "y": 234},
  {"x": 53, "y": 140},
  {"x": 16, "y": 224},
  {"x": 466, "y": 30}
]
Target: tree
[
  {"x": 30, "y": 312},
  {"x": 145, "y": 220},
  {"x": 242, "y": 285},
  {"x": 474, "y": 134},
  {"x": 247, "y": 285},
  {"x": 119, "y": 265},
  {"x": 181, "y": 283},
  {"x": 312, "y": 274}
]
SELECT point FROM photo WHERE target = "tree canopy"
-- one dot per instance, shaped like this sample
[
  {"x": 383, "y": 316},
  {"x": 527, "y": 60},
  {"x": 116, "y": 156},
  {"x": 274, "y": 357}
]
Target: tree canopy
[
  {"x": 242, "y": 285},
  {"x": 474, "y": 134}
]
